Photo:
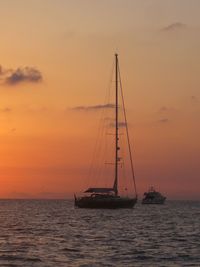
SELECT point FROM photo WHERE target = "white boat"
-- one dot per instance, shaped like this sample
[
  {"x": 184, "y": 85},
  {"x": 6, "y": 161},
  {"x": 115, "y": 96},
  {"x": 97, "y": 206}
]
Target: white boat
[{"x": 153, "y": 197}]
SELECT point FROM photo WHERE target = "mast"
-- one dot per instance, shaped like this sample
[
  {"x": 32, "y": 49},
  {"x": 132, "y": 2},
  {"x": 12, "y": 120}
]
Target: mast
[{"x": 115, "y": 186}]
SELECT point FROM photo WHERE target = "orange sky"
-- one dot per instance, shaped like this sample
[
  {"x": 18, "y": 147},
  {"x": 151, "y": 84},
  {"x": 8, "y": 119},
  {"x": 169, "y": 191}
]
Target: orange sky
[{"x": 58, "y": 55}]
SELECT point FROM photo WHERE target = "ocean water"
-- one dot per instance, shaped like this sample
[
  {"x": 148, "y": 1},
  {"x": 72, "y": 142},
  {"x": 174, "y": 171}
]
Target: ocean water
[{"x": 53, "y": 233}]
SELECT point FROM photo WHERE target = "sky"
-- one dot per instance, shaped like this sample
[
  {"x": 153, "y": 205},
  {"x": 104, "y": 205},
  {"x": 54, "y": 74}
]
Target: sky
[{"x": 57, "y": 55}]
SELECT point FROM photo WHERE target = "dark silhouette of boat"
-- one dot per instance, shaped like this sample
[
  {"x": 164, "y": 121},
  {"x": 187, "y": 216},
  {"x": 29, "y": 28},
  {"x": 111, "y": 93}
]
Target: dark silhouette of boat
[
  {"x": 104, "y": 198},
  {"x": 109, "y": 198},
  {"x": 153, "y": 197}
]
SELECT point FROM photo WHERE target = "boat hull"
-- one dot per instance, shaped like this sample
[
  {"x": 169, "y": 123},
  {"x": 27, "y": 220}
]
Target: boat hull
[{"x": 105, "y": 203}]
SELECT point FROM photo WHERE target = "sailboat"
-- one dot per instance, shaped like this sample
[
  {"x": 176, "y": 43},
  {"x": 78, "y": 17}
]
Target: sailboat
[{"x": 109, "y": 197}]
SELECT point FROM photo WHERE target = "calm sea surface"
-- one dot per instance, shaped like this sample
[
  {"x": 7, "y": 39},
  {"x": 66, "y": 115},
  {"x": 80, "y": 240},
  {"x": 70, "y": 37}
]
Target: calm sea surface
[{"x": 54, "y": 233}]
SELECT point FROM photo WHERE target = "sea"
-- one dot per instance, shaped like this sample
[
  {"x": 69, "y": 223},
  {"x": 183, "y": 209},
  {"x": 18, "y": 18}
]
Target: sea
[{"x": 54, "y": 233}]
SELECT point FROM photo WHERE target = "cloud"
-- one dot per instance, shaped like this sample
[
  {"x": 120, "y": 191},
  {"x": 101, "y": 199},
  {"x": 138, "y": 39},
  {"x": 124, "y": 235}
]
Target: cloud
[
  {"x": 164, "y": 120},
  {"x": 176, "y": 26},
  {"x": 163, "y": 109},
  {"x": 167, "y": 110},
  {"x": 13, "y": 130},
  {"x": 167, "y": 114},
  {"x": 93, "y": 108},
  {"x": 194, "y": 99},
  {"x": 5, "y": 110},
  {"x": 25, "y": 74},
  {"x": 70, "y": 34}
]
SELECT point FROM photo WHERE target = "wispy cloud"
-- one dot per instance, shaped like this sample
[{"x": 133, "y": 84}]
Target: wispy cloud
[
  {"x": 70, "y": 34},
  {"x": 194, "y": 99},
  {"x": 13, "y": 130},
  {"x": 176, "y": 26},
  {"x": 5, "y": 110},
  {"x": 163, "y": 109},
  {"x": 167, "y": 110},
  {"x": 163, "y": 120},
  {"x": 25, "y": 74},
  {"x": 120, "y": 124},
  {"x": 93, "y": 108},
  {"x": 165, "y": 114}
]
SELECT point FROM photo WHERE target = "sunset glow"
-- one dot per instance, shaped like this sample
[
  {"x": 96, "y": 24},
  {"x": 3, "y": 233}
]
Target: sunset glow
[{"x": 57, "y": 56}]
